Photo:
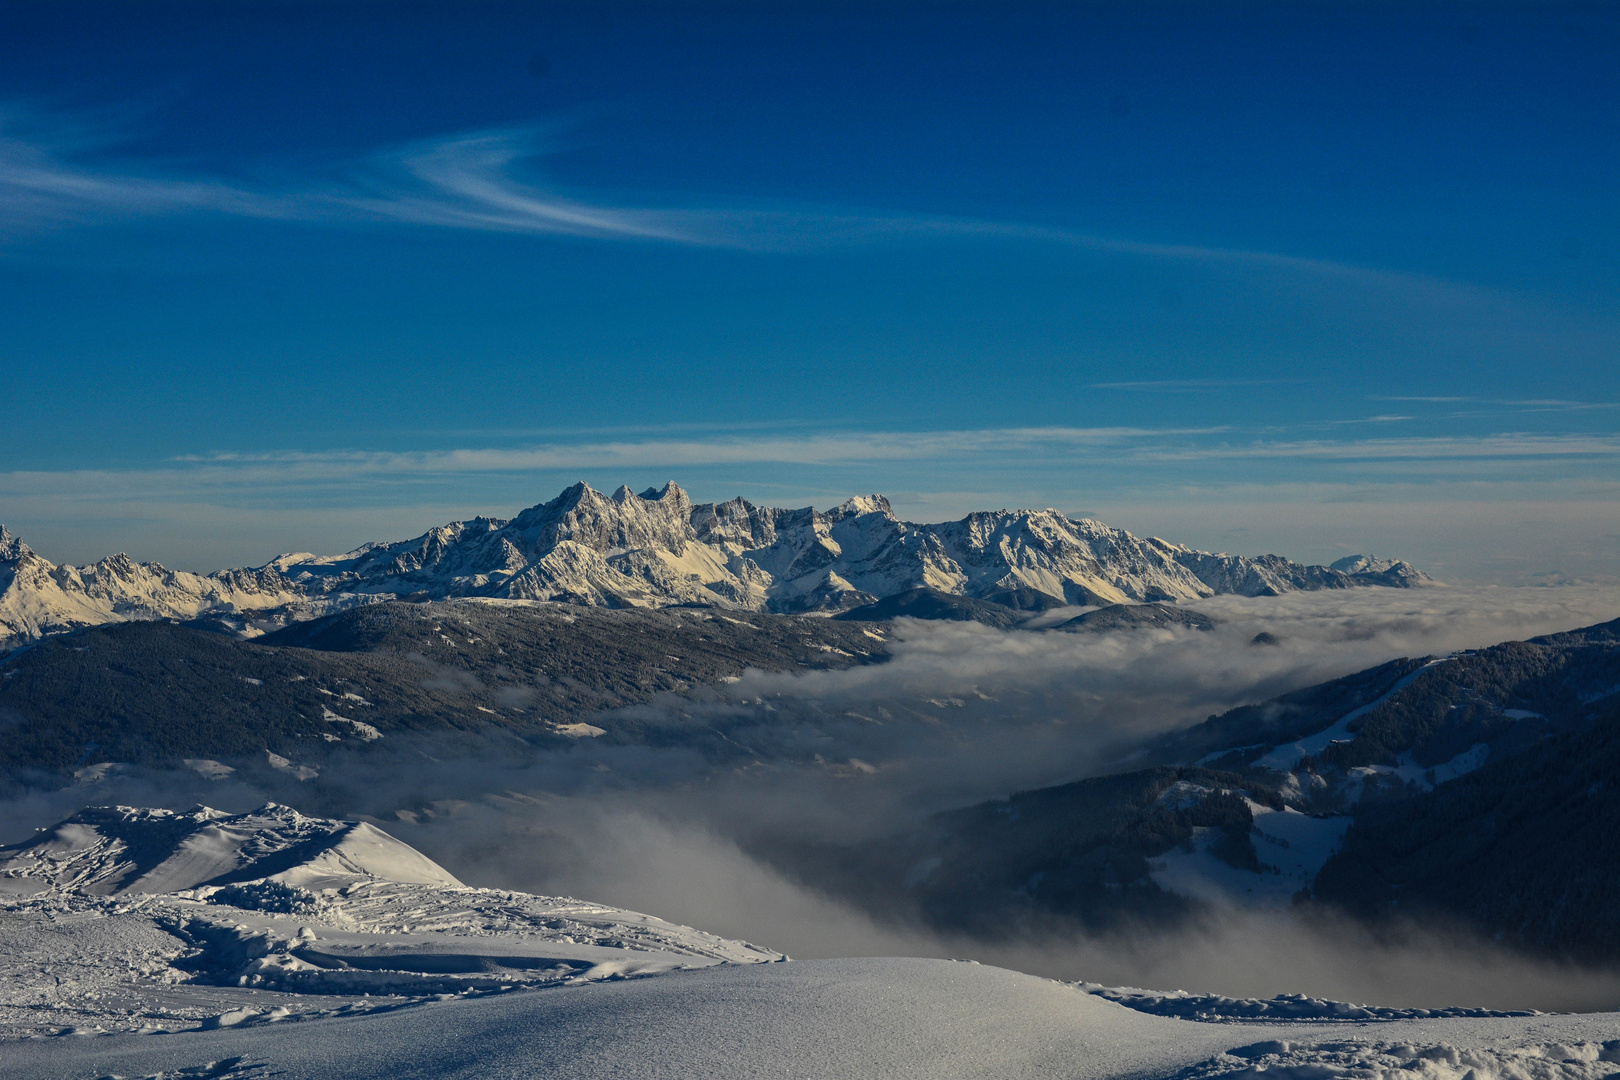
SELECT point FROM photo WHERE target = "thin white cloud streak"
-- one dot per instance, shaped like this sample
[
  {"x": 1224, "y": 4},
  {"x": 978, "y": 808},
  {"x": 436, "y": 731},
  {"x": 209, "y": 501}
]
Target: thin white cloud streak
[
  {"x": 465, "y": 182},
  {"x": 39, "y": 186},
  {"x": 1563, "y": 406},
  {"x": 1188, "y": 386},
  {"x": 1507, "y": 447},
  {"x": 191, "y": 478},
  {"x": 470, "y": 181},
  {"x": 1141, "y": 443},
  {"x": 36, "y": 186},
  {"x": 1518, "y": 404},
  {"x": 460, "y": 182},
  {"x": 816, "y": 449},
  {"x": 1034, "y": 447}
]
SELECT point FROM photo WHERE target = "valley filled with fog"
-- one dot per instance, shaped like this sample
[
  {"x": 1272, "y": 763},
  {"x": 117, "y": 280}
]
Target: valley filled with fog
[{"x": 734, "y": 834}]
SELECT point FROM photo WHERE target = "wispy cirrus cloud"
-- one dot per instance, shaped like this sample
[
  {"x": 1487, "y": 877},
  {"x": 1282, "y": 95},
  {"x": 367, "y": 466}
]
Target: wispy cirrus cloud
[
  {"x": 304, "y": 475},
  {"x": 1550, "y": 405},
  {"x": 51, "y": 173},
  {"x": 39, "y": 187},
  {"x": 1188, "y": 386},
  {"x": 468, "y": 181},
  {"x": 1557, "y": 405},
  {"x": 1501, "y": 447},
  {"x": 836, "y": 448}
]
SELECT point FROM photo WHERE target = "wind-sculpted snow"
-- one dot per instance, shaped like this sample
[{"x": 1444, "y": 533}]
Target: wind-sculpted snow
[
  {"x": 215, "y": 920},
  {"x": 657, "y": 549}
]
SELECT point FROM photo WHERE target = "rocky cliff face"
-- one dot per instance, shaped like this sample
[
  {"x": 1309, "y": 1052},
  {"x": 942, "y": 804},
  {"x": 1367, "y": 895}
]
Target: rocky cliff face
[{"x": 657, "y": 549}]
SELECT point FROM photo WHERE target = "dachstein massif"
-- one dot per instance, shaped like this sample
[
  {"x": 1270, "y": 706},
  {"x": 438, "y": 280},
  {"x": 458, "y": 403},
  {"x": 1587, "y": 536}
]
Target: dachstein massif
[{"x": 658, "y": 549}]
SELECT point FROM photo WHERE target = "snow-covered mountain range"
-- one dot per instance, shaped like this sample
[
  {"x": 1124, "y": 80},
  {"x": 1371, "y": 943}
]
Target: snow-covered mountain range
[{"x": 658, "y": 549}]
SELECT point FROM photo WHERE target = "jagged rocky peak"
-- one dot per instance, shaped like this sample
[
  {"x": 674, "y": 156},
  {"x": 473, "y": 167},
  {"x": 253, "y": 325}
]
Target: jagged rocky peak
[
  {"x": 1395, "y": 572},
  {"x": 622, "y": 521},
  {"x": 657, "y": 548},
  {"x": 735, "y": 522},
  {"x": 120, "y": 565},
  {"x": 1369, "y": 564},
  {"x": 12, "y": 548},
  {"x": 670, "y": 491}
]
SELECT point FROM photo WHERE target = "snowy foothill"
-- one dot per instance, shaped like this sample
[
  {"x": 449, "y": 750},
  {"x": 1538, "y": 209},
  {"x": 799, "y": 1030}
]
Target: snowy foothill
[{"x": 126, "y": 919}]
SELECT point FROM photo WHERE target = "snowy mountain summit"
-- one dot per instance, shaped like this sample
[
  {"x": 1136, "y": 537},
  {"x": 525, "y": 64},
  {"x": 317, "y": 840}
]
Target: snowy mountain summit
[
  {"x": 658, "y": 549},
  {"x": 1396, "y": 572}
]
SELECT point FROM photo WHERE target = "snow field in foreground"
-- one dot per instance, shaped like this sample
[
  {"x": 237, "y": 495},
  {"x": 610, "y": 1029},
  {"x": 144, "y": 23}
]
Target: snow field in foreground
[
  {"x": 836, "y": 1019},
  {"x": 292, "y": 946}
]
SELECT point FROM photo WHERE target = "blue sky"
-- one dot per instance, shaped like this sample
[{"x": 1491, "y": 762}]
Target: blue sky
[{"x": 1307, "y": 278}]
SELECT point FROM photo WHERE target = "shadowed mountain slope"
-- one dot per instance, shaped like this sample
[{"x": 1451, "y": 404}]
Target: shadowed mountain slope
[{"x": 153, "y": 692}]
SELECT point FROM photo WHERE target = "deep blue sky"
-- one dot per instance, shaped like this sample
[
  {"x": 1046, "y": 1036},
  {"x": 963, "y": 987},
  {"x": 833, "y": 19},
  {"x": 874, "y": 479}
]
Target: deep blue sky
[{"x": 1304, "y": 277}]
